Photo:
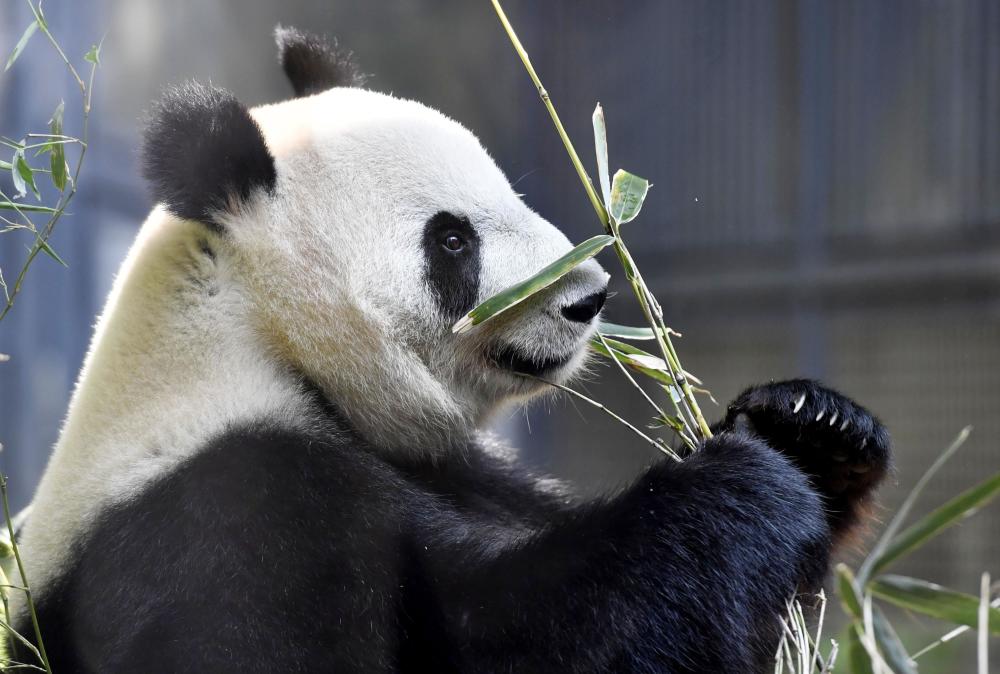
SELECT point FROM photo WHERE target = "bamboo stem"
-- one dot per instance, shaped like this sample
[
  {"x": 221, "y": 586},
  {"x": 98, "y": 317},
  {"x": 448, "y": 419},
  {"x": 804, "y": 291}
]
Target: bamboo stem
[
  {"x": 690, "y": 412},
  {"x": 43, "y": 656},
  {"x": 588, "y": 185},
  {"x": 42, "y": 238}
]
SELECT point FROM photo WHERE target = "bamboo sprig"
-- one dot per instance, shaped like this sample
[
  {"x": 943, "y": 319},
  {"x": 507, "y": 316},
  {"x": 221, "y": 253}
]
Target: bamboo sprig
[
  {"x": 29, "y": 600},
  {"x": 624, "y": 371},
  {"x": 42, "y": 237},
  {"x": 689, "y": 412},
  {"x": 595, "y": 201}
]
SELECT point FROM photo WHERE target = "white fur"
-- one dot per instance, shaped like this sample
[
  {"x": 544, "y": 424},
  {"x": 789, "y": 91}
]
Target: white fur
[{"x": 325, "y": 277}]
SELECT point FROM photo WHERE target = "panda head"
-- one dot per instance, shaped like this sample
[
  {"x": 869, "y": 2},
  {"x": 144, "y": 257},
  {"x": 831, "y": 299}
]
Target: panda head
[{"x": 359, "y": 228}]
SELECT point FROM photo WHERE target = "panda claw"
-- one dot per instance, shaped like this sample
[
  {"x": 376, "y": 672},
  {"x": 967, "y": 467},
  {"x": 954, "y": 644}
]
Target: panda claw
[
  {"x": 844, "y": 425},
  {"x": 820, "y": 415},
  {"x": 833, "y": 419},
  {"x": 798, "y": 404}
]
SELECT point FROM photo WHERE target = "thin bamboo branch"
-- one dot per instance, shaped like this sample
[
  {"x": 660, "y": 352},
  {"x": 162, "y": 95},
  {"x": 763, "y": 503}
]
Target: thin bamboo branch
[
  {"x": 690, "y": 411},
  {"x": 11, "y": 292},
  {"x": 42, "y": 655},
  {"x": 658, "y": 444}
]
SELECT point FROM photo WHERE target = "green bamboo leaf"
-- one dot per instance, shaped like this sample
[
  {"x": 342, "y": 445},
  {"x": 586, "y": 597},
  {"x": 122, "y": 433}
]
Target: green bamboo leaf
[
  {"x": 641, "y": 362},
  {"x": 519, "y": 292},
  {"x": 21, "y": 44},
  {"x": 858, "y": 660},
  {"x": 865, "y": 572},
  {"x": 47, "y": 249},
  {"x": 933, "y": 600},
  {"x": 24, "y": 172},
  {"x": 847, "y": 588},
  {"x": 27, "y": 208},
  {"x": 58, "y": 159},
  {"x": 20, "y": 187},
  {"x": 93, "y": 55},
  {"x": 629, "y": 332},
  {"x": 958, "y": 508},
  {"x": 601, "y": 146},
  {"x": 628, "y": 191},
  {"x": 645, "y": 362},
  {"x": 888, "y": 642},
  {"x": 672, "y": 422}
]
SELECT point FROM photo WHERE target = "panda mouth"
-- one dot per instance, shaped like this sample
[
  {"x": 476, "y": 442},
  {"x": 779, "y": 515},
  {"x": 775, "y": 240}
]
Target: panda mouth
[{"x": 509, "y": 358}]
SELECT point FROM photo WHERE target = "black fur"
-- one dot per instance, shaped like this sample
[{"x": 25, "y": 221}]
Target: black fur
[
  {"x": 204, "y": 154},
  {"x": 275, "y": 550},
  {"x": 453, "y": 276},
  {"x": 313, "y": 64}
]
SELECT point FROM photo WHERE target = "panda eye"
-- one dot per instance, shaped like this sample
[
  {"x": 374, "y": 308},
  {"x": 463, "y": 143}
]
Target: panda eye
[{"x": 454, "y": 242}]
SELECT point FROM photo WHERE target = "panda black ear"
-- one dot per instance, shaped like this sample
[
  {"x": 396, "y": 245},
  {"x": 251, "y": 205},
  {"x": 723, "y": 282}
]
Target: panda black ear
[
  {"x": 204, "y": 154},
  {"x": 314, "y": 65}
]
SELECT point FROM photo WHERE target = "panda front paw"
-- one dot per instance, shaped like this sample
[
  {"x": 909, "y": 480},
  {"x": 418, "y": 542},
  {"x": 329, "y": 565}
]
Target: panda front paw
[{"x": 839, "y": 444}]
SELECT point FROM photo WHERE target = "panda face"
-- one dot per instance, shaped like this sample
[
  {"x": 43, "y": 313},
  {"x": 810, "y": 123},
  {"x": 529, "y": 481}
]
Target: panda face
[
  {"x": 389, "y": 222},
  {"x": 358, "y": 228}
]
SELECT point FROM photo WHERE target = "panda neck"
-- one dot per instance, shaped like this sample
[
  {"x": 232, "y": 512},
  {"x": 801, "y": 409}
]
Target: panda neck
[{"x": 173, "y": 362}]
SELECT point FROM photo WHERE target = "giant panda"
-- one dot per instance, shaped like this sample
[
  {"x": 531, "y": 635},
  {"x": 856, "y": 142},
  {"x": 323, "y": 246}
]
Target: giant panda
[{"x": 274, "y": 461}]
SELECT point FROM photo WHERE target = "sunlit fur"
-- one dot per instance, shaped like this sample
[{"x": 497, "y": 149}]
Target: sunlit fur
[{"x": 322, "y": 279}]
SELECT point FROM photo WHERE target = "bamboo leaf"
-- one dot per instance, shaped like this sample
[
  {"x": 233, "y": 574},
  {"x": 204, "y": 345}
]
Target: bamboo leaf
[
  {"x": 4, "y": 165},
  {"x": 644, "y": 363},
  {"x": 889, "y": 644},
  {"x": 932, "y": 600},
  {"x": 857, "y": 656},
  {"x": 983, "y": 636},
  {"x": 865, "y": 572},
  {"x": 20, "y": 187},
  {"x": 958, "y": 508},
  {"x": 671, "y": 421},
  {"x": 601, "y": 147},
  {"x": 521, "y": 291},
  {"x": 848, "y": 590},
  {"x": 93, "y": 54},
  {"x": 21, "y": 44},
  {"x": 647, "y": 363},
  {"x": 27, "y": 208},
  {"x": 27, "y": 175},
  {"x": 628, "y": 332},
  {"x": 47, "y": 249},
  {"x": 625, "y": 331},
  {"x": 628, "y": 191},
  {"x": 58, "y": 158}
]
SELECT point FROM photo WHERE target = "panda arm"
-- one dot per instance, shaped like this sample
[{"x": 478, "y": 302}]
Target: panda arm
[
  {"x": 490, "y": 487},
  {"x": 842, "y": 447},
  {"x": 688, "y": 570}
]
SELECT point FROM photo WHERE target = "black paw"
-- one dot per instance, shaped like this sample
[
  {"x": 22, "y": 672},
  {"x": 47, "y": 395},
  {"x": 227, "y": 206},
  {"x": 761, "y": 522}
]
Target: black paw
[{"x": 840, "y": 445}]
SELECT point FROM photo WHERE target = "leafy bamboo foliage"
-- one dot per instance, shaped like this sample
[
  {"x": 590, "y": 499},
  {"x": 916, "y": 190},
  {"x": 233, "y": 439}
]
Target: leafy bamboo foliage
[{"x": 16, "y": 220}]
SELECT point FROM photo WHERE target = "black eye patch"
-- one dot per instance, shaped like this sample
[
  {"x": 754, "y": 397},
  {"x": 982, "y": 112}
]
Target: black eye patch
[{"x": 452, "y": 263}]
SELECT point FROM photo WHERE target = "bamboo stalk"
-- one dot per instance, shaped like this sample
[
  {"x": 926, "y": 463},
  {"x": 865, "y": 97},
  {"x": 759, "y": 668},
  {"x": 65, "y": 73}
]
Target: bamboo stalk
[{"x": 690, "y": 412}]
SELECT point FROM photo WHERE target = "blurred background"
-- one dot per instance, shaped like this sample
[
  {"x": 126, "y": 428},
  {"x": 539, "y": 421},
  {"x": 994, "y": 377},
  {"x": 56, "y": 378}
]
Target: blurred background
[{"x": 826, "y": 200}]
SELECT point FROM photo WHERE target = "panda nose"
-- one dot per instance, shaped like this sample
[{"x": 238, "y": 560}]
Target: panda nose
[{"x": 582, "y": 311}]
